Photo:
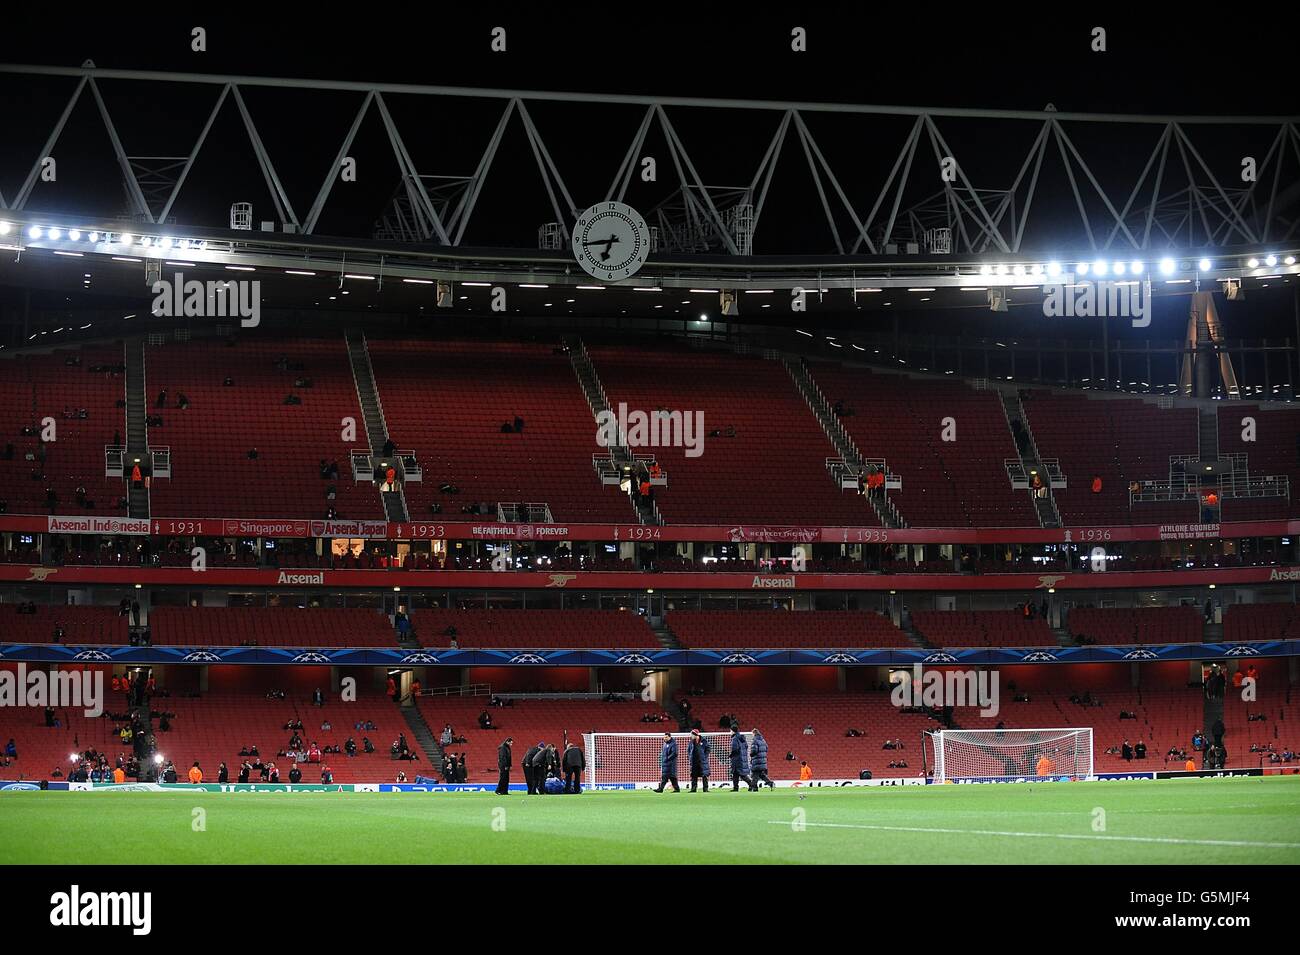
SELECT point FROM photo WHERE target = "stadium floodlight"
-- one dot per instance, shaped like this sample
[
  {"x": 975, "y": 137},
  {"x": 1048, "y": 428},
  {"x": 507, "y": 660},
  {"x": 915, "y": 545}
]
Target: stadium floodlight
[
  {"x": 1053, "y": 268},
  {"x": 1120, "y": 268},
  {"x": 56, "y": 234},
  {"x": 1137, "y": 266},
  {"x": 4, "y": 227},
  {"x": 1252, "y": 263},
  {"x": 1289, "y": 260},
  {"x": 986, "y": 269},
  {"x": 1081, "y": 268},
  {"x": 1100, "y": 267},
  {"x": 75, "y": 235},
  {"x": 166, "y": 242},
  {"x": 1012, "y": 754},
  {"x": 614, "y": 758},
  {"x": 1167, "y": 266},
  {"x": 34, "y": 232},
  {"x": 1205, "y": 265},
  {"x": 1270, "y": 260},
  {"x": 94, "y": 237},
  {"x": 126, "y": 238}
]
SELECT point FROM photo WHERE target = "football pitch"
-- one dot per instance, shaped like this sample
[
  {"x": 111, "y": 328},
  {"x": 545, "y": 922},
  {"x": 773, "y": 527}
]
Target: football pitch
[{"x": 1218, "y": 821}]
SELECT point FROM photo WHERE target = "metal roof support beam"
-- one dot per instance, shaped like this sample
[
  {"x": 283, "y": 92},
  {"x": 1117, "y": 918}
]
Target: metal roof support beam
[
  {"x": 332, "y": 174},
  {"x": 468, "y": 198},
  {"x": 679, "y": 152},
  {"x": 909, "y": 148},
  {"x": 984, "y": 221},
  {"x": 421, "y": 204},
  {"x": 545, "y": 162},
  {"x": 281, "y": 199},
  {"x": 189, "y": 163},
  {"x": 767, "y": 167},
  {"x": 128, "y": 174},
  {"x": 20, "y": 200}
]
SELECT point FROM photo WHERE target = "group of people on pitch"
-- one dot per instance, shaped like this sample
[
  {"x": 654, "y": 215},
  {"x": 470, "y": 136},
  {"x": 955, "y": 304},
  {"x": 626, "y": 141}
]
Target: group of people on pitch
[
  {"x": 748, "y": 761},
  {"x": 543, "y": 765}
]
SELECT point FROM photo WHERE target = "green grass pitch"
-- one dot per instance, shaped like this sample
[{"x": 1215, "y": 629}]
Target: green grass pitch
[{"x": 1236, "y": 820}]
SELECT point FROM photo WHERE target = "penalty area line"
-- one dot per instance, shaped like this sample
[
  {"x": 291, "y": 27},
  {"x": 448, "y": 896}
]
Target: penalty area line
[{"x": 1087, "y": 837}]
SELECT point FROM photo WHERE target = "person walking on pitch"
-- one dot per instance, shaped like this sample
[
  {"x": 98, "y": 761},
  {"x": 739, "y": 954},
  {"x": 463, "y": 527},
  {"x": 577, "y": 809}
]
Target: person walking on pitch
[
  {"x": 739, "y": 761},
  {"x": 758, "y": 760},
  {"x": 503, "y": 765},
  {"x": 697, "y": 752},
  {"x": 668, "y": 764}
]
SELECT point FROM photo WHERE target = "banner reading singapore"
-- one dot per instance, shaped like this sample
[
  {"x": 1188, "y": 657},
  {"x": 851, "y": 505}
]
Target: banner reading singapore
[{"x": 790, "y": 534}]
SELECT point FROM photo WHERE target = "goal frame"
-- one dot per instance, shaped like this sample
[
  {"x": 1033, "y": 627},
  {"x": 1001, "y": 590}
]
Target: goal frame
[{"x": 1083, "y": 768}]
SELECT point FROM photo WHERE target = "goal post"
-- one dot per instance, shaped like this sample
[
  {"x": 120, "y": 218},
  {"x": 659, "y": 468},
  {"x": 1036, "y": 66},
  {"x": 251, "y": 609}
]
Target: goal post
[
  {"x": 620, "y": 758},
  {"x": 1012, "y": 753}
]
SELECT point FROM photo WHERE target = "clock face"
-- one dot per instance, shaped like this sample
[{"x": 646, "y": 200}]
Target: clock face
[{"x": 611, "y": 241}]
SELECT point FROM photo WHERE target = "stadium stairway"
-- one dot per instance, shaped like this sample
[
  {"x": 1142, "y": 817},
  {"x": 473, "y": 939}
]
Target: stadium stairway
[
  {"x": 594, "y": 391},
  {"x": 1048, "y": 516},
  {"x": 363, "y": 376},
  {"x": 137, "y": 431},
  {"x": 422, "y": 735},
  {"x": 821, "y": 408},
  {"x": 667, "y": 639}
]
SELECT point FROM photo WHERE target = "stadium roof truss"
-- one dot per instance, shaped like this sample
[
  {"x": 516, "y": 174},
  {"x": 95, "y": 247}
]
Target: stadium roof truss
[{"x": 1168, "y": 198}]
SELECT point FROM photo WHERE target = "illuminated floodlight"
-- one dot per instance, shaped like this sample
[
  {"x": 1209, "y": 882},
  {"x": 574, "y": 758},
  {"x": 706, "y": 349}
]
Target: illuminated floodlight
[
  {"x": 1270, "y": 260},
  {"x": 1100, "y": 267},
  {"x": 1081, "y": 268},
  {"x": 1167, "y": 266},
  {"x": 75, "y": 235},
  {"x": 1205, "y": 265},
  {"x": 1053, "y": 268}
]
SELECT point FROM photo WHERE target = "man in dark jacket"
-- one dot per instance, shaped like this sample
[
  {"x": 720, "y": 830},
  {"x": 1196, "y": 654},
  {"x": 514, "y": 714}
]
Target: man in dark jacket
[
  {"x": 739, "y": 762},
  {"x": 697, "y": 752},
  {"x": 503, "y": 766},
  {"x": 542, "y": 766},
  {"x": 529, "y": 755},
  {"x": 758, "y": 760},
  {"x": 668, "y": 764},
  {"x": 574, "y": 763}
]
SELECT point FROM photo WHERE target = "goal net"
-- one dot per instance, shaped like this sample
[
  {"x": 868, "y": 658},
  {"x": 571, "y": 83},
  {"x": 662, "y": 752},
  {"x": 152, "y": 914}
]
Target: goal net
[
  {"x": 634, "y": 757},
  {"x": 986, "y": 754}
]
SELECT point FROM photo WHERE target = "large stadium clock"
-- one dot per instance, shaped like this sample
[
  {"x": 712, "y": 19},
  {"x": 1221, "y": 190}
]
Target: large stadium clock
[{"x": 611, "y": 241}]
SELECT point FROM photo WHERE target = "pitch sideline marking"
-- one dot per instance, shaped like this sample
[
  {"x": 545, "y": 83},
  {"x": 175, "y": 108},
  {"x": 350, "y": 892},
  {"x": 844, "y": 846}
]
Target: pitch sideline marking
[{"x": 1050, "y": 835}]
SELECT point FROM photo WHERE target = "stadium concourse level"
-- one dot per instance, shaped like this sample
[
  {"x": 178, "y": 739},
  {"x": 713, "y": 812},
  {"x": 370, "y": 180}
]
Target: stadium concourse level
[
  {"x": 286, "y": 400},
  {"x": 544, "y": 629},
  {"x": 763, "y": 453},
  {"x": 477, "y": 388},
  {"x": 251, "y": 419},
  {"x": 81, "y": 389},
  {"x": 534, "y": 629},
  {"x": 1275, "y": 450},
  {"x": 983, "y": 628},
  {"x": 1118, "y": 441},
  {"x": 238, "y": 711},
  {"x": 1119, "y": 626},
  {"x": 775, "y": 629},
  {"x": 840, "y": 734},
  {"x": 962, "y": 483}
]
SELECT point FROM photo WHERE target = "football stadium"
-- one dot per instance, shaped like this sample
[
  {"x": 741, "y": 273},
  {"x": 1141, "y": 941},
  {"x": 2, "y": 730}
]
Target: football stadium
[{"x": 530, "y": 453}]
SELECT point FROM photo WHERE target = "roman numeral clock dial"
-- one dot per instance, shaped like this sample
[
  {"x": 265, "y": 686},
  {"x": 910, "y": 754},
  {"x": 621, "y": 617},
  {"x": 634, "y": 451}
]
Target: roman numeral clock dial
[{"x": 611, "y": 241}]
